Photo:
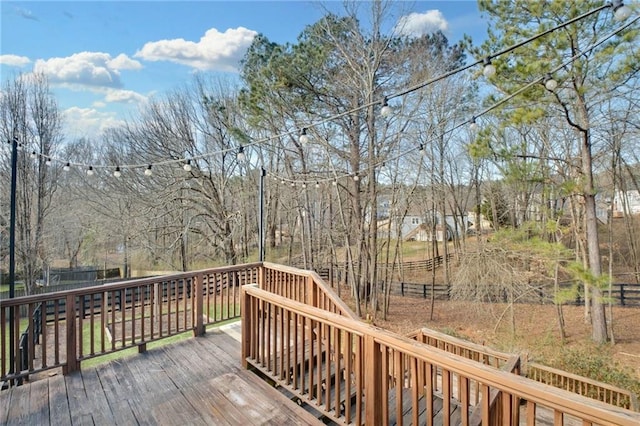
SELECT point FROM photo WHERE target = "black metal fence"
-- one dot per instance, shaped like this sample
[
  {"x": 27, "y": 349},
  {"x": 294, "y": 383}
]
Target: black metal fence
[{"x": 622, "y": 294}]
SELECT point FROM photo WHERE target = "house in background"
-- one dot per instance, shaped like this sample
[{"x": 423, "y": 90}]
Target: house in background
[
  {"x": 424, "y": 227},
  {"x": 625, "y": 203}
]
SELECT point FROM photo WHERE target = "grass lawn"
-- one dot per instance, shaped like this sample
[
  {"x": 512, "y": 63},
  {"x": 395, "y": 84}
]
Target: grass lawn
[{"x": 5, "y": 287}]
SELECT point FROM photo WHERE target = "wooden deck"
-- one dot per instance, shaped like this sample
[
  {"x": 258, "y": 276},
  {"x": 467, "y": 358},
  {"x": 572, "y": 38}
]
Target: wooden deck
[{"x": 197, "y": 381}]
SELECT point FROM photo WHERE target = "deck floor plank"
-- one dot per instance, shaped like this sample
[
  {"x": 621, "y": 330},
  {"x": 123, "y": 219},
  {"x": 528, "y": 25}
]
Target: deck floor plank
[
  {"x": 115, "y": 397},
  {"x": 59, "y": 413},
  {"x": 39, "y": 403},
  {"x": 196, "y": 381}
]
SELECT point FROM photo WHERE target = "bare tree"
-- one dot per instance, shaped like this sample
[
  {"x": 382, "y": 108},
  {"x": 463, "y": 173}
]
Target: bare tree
[{"x": 30, "y": 115}]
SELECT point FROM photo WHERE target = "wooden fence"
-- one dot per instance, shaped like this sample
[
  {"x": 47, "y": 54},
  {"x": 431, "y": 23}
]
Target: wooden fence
[{"x": 623, "y": 294}]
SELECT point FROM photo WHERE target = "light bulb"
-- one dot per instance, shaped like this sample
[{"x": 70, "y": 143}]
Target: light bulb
[
  {"x": 386, "y": 110},
  {"x": 90, "y": 171},
  {"x": 317, "y": 185},
  {"x": 48, "y": 162},
  {"x": 473, "y": 126},
  {"x": 148, "y": 171},
  {"x": 33, "y": 154},
  {"x": 117, "y": 172},
  {"x": 187, "y": 166},
  {"x": 356, "y": 178},
  {"x": 304, "y": 138},
  {"x": 66, "y": 167},
  {"x": 550, "y": 83},
  {"x": 489, "y": 70},
  {"x": 334, "y": 183},
  {"x": 240, "y": 155},
  {"x": 620, "y": 11}
]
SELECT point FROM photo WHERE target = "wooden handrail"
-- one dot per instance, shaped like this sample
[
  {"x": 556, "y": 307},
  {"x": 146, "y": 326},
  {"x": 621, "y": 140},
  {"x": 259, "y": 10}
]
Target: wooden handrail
[
  {"x": 317, "y": 292},
  {"x": 270, "y": 314},
  {"x": 582, "y": 385},
  {"x": 461, "y": 347}
]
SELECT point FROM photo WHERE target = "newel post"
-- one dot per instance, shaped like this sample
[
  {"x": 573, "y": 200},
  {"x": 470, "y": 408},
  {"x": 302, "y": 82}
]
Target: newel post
[
  {"x": 372, "y": 381},
  {"x": 198, "y": 284},
  {"x": 72, "y": 341},
  {"x": 246, "y": 322}
]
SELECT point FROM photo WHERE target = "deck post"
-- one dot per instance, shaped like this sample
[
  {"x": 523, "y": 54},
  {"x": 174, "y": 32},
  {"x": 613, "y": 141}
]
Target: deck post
[
  {"x": 373, "y": 381},
  {"x": 246, "y": 320},
  {"x": 72, "y": 342},
  {"x": 198, "y": 288}
]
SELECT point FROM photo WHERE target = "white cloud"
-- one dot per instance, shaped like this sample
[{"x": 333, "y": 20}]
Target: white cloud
[
  {"x": 14, "y": 60},
  {"x": 93, "y": 69},
  {"x": 215, "y": 51},
  {"x": 124, "y": 96},
  {"x": 81, "y": 122},
  {"x": 123, "y": 62},
  {"x": 418, "y": 24}
]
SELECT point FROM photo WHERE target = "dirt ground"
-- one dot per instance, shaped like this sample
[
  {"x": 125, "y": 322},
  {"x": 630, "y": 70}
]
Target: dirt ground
[{"x": 536, "y": 328}]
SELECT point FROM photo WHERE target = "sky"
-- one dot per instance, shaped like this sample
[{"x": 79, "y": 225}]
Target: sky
[{"x": 105, "y": 59}]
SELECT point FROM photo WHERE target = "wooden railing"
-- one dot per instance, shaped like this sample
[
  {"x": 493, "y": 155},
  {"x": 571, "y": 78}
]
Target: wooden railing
[
  {"x": 297, "y": 331},
  {"x": 92, "y": 321},
  {"x": 356, "y": 373},
  {"x": 583, "y": 386},
  {"x": 302, "y": 286},
  {"x": 463, "y": 348}
]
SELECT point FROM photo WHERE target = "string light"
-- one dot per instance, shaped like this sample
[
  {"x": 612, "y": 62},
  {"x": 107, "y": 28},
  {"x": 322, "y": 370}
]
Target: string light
[
  {"x": 148, "y": 171},
  {"x": 356, "y": 178},
  {"x": 66, "y": 167},
  {"x": 34, "y": 154},
  {"x": 317, "y": 184},
  {"x": 620, "y": 11},
  {"x": 187, "y": 166},
  {"x": 117, "y": 172},
  {"x": 47, "y": 162}
]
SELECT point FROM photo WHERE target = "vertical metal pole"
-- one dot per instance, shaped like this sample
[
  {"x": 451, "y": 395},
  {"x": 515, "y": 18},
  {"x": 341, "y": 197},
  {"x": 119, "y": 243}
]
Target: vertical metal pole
[
  {"x": 12, "y": 251},
  {"x": 263, "y": 173}
]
